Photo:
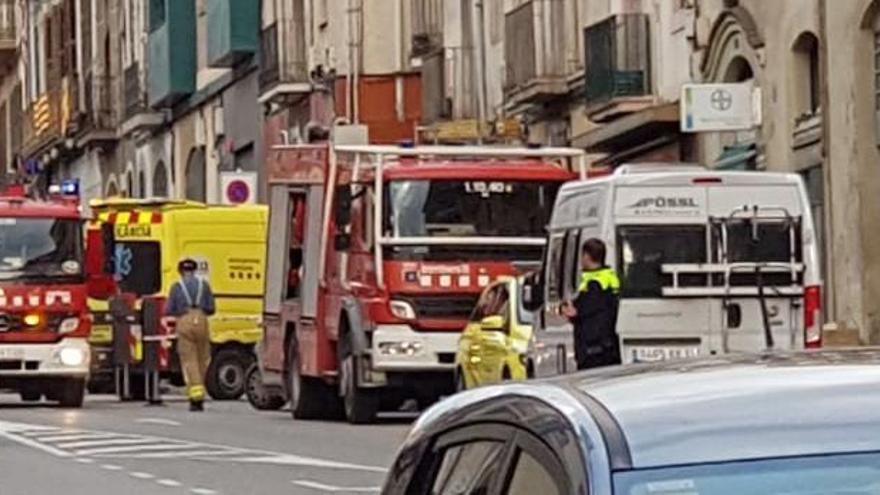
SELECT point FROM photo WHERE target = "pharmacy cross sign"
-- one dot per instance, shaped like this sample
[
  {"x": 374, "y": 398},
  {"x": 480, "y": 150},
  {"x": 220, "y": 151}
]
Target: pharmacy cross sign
[{"x": 722, "y": 100}]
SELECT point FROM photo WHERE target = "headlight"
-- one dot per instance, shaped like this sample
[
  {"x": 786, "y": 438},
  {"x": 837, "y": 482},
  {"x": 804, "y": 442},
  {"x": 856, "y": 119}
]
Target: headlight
[
  {"x": 402, "y": 310},
  {"x": 32, "y": 319},
  {"x": 70, "y": 356},
  {"x": 405, "y": 348},
  {"x": 68, "y": 325}
]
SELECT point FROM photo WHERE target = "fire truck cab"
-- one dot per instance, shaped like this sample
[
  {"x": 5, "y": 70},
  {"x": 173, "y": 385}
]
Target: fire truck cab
[
  {"x": 376, "y": 257},
  {"x": 44, "y": 321}
]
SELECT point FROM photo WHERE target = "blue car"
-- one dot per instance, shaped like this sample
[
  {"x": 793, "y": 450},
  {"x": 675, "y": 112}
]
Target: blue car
[{"x": 787, "y": 424}]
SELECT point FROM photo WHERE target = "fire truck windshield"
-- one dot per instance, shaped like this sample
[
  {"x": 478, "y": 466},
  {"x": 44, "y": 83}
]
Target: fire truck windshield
[
  {"x": 40, "y": 248},
  {"x": 468, "y": 209}
]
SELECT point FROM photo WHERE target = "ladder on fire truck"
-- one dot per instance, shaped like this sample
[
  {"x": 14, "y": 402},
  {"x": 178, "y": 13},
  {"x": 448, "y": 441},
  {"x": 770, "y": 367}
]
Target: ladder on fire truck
[
  {"x": 752, "y": 217},
  {"x": 375, "y": 157}
]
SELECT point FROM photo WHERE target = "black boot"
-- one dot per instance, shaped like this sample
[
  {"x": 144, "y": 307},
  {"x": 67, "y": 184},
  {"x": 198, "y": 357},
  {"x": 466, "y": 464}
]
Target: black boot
[{"x": 196, "y": 406}]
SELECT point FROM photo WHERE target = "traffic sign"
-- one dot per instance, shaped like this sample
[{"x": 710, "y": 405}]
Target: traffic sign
[
  {"x": 720, "y": 107},
  {"x": 238, "y": 187}
]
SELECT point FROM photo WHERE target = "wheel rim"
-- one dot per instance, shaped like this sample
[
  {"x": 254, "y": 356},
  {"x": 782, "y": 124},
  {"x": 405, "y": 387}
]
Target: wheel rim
[
  {"x": 230, "y": 376},
  {"x": 255, "y": 389},
  {"x": 346, "y": 383}
]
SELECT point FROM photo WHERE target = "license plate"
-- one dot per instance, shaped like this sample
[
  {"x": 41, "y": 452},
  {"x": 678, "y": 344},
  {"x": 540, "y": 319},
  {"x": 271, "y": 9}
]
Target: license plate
[
  {"x": 11, "y": 353},
  {"x": 655, "y": 354}
]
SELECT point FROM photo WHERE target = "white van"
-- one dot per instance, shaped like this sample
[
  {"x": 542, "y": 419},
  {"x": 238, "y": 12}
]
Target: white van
[{"x": 710, "y": 262}]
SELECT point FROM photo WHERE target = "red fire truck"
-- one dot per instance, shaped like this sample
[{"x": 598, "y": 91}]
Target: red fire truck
[
  {"x": 376, "y": 258},
  {"x": 44, "y": 320}
]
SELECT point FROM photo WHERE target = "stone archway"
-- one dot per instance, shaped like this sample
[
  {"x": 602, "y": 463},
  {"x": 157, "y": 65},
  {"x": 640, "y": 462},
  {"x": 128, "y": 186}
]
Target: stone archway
[{"x": 196, "y": 189}]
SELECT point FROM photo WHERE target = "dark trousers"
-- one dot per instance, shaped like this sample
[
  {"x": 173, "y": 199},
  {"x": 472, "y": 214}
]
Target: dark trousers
[{"x": 597, "y": 354}]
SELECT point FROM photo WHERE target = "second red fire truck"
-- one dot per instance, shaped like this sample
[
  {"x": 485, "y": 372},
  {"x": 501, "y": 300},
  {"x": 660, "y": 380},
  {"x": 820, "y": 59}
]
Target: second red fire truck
[{"x": 376, "y": 257}]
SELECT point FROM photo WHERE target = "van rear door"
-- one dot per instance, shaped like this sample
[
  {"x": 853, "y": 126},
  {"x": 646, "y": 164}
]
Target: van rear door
[
  {"x": 760, "y": 247},
  {"x": 653, "y": 327}
]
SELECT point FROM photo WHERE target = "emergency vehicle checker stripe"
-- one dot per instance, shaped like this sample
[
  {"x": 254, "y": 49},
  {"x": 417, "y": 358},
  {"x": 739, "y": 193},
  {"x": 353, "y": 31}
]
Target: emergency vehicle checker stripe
[{"x": 131, "y": 218}]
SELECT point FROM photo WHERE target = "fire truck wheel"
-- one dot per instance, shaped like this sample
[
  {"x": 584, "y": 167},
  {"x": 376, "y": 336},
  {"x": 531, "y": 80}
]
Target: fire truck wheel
[
  {"x": 257, "y": 395},
  {"x": 361, "y": 405},
  {"x": 310, "y": 398},
  {"x": 228, "y": 374},
  {"x": 71, "y": 392}
]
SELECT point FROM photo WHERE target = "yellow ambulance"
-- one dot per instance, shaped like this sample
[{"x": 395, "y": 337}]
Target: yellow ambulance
[{"x": 229, "y": 245}]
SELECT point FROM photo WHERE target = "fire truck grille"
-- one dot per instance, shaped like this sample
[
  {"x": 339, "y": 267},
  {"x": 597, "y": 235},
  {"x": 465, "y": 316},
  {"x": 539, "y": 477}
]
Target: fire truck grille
[{"x": 444, "y": 307}]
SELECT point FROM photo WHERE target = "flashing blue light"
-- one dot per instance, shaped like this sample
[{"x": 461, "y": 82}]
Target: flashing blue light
[
  {"x": 70, "y": 187},
  {"x": 407, "y": 144}
]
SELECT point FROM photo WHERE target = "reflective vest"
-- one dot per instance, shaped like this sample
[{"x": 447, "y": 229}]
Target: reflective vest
[{"x": 605, "y": 277}]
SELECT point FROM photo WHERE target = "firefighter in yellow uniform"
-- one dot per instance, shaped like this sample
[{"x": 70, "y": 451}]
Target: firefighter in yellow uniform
[
  {"x": 594, "y": 311},
  {"x": 190, "y": 303}
]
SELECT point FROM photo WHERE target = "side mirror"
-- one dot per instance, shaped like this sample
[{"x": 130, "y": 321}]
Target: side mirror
[
  {"x": 343, "y": 206},
  {"x": 532, "y": 292},
  {"x": 342, "y": 242},
  {"x": 108, "y": 242},
  {"x": 493, "y": 323}
]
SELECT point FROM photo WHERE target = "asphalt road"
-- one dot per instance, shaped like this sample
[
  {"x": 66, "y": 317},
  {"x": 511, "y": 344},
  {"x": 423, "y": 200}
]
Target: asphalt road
[{"x": 110, "y": 448}]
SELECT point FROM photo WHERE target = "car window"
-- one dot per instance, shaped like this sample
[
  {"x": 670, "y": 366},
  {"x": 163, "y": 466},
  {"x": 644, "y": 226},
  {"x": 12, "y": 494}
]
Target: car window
[
  {"x": 529, "y": 477},
  {"x": 481, "y": 310},
  {"x": 468, "y": 468}
]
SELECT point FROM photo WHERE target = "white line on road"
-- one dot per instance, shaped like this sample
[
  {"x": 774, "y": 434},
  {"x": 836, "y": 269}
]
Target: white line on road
[
  {"x": 73, "y": 437},
  {"x": 143, "y": 447},
  {"x": 32, "y": 444},
  {"x": 194, "y": 454},
  {"x": 82, "y": 460},
  {"x": 169, "y": 483},
  {"x": 203, "y": 491},
  {"x": 321, "y": 487},
  {"x": 111, "y": 467},
  {"x": 158, "y": 421},
  {"x": 104, "y": 443},
  {"x": 141, "y": 476}
]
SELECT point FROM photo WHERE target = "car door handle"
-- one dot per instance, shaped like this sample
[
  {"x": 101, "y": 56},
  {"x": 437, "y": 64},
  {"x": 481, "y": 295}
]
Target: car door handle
[{"x": 734, "y": 315}]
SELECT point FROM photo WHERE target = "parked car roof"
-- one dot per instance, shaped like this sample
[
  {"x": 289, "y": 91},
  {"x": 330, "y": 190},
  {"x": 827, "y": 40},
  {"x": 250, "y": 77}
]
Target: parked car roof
[{"x": 739, "y": 407}]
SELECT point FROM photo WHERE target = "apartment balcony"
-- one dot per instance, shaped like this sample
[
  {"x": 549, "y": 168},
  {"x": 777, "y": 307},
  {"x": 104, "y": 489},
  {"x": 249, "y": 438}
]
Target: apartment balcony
[
  {"x": 233, "y": 31},
  {"x": 136, "y": 115},
  {"x": 98, "y": 122},
  {"x": 535, "y": 63},
  {"x": 617, "y": 67},
  {"x": 283, "y": 64},
  {"x": 172, "y": 74},
  {"x": 8, "y": 37}
]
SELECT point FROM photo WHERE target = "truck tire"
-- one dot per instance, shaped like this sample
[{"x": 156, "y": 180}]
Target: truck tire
[
  {"x": 71, "y": 392},
  {"x": 360, "y": 405},
  {"x": 310, "y": 398},
  {"x": 227, "y": 375},
  {"x": 258, "y": 396}
]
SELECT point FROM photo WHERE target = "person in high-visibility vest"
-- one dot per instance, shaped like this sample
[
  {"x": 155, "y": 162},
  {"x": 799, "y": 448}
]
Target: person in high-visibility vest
[
  {"x": 594, "y": 311},
  {"x": 190, "y": 303}
]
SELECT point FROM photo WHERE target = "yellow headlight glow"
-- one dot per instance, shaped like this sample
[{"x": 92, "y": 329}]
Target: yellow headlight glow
[{"x": 32, "y": 319}]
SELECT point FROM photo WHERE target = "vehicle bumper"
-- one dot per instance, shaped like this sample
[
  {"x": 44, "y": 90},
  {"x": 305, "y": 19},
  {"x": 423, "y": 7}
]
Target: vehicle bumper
[
  {"x": 435, "y": 351},
  {"x": 45, "y": 360}
]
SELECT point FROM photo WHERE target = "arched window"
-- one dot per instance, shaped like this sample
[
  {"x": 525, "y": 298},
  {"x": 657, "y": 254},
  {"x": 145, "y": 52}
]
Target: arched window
[
  {"x": 112, "y": 189},
  {"x": 160, "y": 180},
  {"x": 195, "y": 175},
  {"x": 142, "y": 184},
  {"x": 806, "y": 74},
  {"x": 738, "y": 71},
  {"x": 129, "y": 184}
]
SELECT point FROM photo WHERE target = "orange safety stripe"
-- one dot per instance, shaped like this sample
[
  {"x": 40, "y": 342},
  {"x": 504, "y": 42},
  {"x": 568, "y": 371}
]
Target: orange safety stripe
[{"x": 130, "y": 217}]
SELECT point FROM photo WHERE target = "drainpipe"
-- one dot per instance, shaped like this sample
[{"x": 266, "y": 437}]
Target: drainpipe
[
  {"x": 828, "y": 248},
  {"x": 480, "y": 38}
]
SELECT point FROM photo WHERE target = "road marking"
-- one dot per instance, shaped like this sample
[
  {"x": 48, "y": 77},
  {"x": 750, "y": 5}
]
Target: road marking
[
  {"x": 169, "y": 483},
  {"x": 111, "y": 467},
  {"x": 139, "y": 448},
  {"x": 85, "y": 461},
  {"x": 321, "y": 487},
  {"x": 141, "y": 476},
  {"x": 203, "y": 491},
  {"x": 73, "y": 437},
  {"x": 102, "y": 443},
  {"x": 142, "y": 446},
  {"x": 158, "y": 421}
]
